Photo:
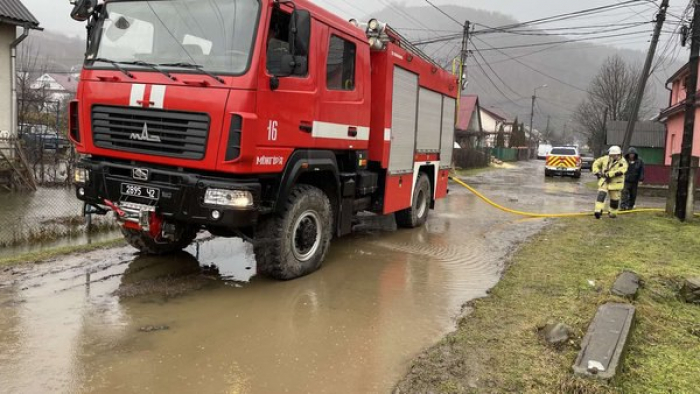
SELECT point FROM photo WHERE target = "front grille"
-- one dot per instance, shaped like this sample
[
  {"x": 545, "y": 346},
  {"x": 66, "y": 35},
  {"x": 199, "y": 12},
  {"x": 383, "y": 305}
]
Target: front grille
[{"x": 151, "y": 131}]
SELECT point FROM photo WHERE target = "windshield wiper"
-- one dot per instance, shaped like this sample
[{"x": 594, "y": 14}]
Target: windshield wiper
[
  {"x": 115, "y": 64},
  {"x": 151, "y": 66},
  {"x": 193, "y": 66}
]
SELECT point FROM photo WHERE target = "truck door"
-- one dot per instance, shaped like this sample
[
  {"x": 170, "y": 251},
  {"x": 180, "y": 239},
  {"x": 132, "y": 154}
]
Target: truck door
[
  {"x": 286, "y": 104},
  {"x": 342, "y": 113}
]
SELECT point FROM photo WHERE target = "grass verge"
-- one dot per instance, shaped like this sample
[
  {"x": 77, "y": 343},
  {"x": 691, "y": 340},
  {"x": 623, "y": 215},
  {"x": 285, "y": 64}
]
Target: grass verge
[
  {"x": 497, "y": 348},
  {"x": 51, "y": 253}
]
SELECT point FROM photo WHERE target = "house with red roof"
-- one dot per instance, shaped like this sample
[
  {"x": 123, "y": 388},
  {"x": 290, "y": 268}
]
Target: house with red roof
[{"x": 469, "y": 133}]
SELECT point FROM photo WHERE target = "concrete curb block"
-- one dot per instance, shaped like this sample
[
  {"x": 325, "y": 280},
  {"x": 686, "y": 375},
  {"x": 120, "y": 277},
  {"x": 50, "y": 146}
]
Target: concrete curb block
[{"x": 604, "y": 344}]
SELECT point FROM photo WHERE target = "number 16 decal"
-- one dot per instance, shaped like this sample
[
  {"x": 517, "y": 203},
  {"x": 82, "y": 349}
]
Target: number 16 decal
[{"x": 272, "y": 130}]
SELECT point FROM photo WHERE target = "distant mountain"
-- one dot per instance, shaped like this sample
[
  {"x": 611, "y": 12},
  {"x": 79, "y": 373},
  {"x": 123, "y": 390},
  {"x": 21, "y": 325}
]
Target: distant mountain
[
  {"x": 573, "y": 63},
  {"x": 54, "y": 52}
]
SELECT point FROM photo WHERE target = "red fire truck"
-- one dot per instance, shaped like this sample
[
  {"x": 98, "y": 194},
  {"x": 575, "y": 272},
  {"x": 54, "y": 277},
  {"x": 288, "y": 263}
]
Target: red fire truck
[{"x": 275, "y": 121}]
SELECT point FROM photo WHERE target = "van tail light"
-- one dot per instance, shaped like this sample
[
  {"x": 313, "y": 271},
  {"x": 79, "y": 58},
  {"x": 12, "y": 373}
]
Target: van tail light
[
  {"x": 578, "y": 160},
  {"x": 73, "y": 127}
]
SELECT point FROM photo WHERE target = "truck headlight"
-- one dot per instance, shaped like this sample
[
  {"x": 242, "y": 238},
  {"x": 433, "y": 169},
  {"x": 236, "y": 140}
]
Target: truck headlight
[
  {"x": 81, "y": 175},
  {"x": 231, "y": 198}
]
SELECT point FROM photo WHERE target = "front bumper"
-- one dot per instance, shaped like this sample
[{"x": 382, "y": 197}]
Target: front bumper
[{"x": 181, "y": 193}]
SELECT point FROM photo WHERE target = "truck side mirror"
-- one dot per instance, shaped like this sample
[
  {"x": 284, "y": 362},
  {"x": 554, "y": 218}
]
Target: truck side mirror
[
  {"x": 297, "y": 61},
  {"x": 82, "y": 9},
  {"x": 301, "y": 32}
]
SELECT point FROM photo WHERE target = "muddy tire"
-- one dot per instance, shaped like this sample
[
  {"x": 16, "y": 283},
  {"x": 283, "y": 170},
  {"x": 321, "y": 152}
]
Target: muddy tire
[
  {"x": 294, "y": 242},
  {"x": 147, "y": 245},
  {"x": 417, "y": 214}
]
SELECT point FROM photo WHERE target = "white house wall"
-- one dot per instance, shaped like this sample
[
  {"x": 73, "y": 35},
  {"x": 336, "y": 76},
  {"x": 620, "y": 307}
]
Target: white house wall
[{"x": 7, "y": 35}]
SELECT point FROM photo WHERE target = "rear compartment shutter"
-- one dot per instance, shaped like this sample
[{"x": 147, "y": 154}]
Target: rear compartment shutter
[
  {"x": 447, "y": 138},
  {"x": 403, "y": 121},
  {"x": 429, "y": 121}
]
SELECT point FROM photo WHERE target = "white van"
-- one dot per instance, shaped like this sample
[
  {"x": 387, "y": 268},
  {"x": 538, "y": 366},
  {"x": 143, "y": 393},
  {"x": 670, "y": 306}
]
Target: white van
[{"x": 543, "y": 150}]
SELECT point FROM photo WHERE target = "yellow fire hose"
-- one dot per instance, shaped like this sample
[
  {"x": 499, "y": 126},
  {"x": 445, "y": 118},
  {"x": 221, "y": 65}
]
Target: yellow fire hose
[{"x": 542, "y": 215}]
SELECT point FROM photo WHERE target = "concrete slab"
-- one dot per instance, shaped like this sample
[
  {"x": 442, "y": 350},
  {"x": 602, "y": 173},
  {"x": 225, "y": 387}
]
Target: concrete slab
[
  {"x": 691, "y": 290},
  {"x": 626, "y": 285},
  {"x": 604, "y": 344}
]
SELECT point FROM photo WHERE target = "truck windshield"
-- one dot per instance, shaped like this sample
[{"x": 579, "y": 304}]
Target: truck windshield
[{"x": 214, "y": 34}]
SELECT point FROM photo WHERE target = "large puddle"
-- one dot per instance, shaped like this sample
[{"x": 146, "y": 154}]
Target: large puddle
[{"x": 200, "y": 321}]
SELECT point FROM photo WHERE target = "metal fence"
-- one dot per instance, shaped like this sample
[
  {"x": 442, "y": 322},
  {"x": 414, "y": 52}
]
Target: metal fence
[
  {"x": 51, "y": 211},
  {"x": 467, "y": 158}
]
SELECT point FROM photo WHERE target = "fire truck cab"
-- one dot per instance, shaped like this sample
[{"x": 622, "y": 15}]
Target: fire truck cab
[{"x": 275, "y": 121}]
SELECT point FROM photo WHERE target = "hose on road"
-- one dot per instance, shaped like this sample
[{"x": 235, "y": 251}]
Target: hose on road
[{"x": 542, "y": 215}]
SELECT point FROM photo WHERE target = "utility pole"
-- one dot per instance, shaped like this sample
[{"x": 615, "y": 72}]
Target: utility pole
[
  {"x": 605, "y": 128},
  {"x": 546, "y": 130},
  {"x": 691, "y": 92},
  {"x": 461, "y": 67},
  {"x": 644, "y": 77},
  {"x": 532, "y": 111},
  {"x": 463, "y": 55}
]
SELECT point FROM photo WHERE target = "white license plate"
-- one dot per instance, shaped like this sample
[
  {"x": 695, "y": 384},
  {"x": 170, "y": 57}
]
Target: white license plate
[{"x": 129, "y": 189}]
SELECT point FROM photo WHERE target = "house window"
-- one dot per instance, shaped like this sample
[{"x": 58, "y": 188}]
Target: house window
[{"x": 340, "y": 66}]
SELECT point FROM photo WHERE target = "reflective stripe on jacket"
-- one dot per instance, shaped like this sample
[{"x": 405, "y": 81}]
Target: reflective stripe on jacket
[{"x": 614, "y": 170}]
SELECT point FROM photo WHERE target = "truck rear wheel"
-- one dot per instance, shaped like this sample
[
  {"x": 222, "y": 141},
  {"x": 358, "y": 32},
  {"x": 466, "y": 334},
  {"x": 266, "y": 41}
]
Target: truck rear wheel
[
  {"x": 294, "y": 243},
  {"x": 417, "y": 214},
  {"x": 184, "y": 235}
]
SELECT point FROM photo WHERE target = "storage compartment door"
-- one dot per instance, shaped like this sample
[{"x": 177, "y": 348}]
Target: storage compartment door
[
  {"x": 429, "y": 121},
  {"x": 447, "y": 139},
  {"x": 403, "y": 121}
]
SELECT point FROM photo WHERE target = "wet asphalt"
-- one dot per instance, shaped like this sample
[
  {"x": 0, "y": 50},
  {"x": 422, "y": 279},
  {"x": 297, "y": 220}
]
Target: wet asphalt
[{"x": 112, "y": 321}]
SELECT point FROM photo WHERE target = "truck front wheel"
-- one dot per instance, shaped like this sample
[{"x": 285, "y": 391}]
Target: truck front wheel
[
  {"x": 417, "y": 214},
  {"x": 184, "y": 235},
  {"x": 294, "y": 242}
]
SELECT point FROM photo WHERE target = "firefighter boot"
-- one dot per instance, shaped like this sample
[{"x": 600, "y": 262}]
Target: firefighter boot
[
  {"x": 600, "y": 203},
  {"x": 614, "y": 206}
]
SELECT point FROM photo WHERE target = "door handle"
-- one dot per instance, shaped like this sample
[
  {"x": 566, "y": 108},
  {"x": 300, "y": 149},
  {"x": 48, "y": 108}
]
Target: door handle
[
  {"x": 352, "y": 131},
  {"x": 306, "y": 127}
]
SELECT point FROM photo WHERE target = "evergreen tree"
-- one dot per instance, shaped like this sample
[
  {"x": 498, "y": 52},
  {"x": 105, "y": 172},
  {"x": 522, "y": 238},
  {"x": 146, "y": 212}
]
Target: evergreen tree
[
  {"x": 515, "y": 140},
  {"x": 501, "y": 137}
]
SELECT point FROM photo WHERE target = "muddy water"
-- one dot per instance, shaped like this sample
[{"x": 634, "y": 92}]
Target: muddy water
[{"x": 200, "y": 321}]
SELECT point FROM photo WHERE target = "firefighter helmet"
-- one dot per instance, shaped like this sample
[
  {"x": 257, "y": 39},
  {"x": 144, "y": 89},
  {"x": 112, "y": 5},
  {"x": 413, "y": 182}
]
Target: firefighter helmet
[{"x": 615, "y": 150}]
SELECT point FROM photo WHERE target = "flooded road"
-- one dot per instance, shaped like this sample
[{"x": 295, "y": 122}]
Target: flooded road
[{"x": 111, "y": 321}]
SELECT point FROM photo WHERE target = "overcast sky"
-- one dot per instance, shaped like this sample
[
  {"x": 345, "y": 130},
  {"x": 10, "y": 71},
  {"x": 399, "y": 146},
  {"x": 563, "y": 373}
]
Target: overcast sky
[{"x": 54, "y": 14}]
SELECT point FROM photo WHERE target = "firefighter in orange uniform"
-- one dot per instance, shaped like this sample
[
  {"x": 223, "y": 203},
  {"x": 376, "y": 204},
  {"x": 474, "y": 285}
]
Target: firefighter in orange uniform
[{"x": 610, "y": 171}]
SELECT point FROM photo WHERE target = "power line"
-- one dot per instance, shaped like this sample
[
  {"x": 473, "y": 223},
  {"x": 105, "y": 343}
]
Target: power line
[
  {"x": 443, "y": 12},
  {"x": 532, "y": 68},
  {"x": 586, "y": 28},
  {"x": 569, "y": 15},
  {"x": 494, "y": 71},
  {"x": 537, "y": 44},
  {"x": 493, "y": 83}
]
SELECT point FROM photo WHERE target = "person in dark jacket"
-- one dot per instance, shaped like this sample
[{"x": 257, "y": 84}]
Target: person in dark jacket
[{"x": 635, "y": 174}]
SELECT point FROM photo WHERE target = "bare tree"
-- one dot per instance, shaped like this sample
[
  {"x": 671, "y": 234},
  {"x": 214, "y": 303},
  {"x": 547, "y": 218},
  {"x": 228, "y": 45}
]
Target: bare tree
[
  {"x": 611, "y": 93},
  {"x": 32, "y": 100}
]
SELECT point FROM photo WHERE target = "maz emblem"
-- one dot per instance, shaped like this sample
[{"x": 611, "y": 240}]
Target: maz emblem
[
  {"x": 140, "y": 174},
  {"x": 144, "y": 136}
]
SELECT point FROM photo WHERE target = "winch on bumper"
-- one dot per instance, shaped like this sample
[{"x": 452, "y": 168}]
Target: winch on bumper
[{"x": 143, "y": 196}]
